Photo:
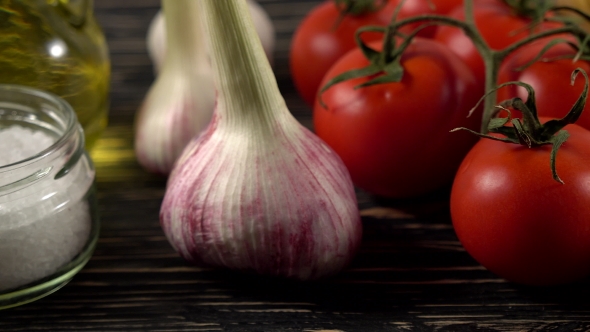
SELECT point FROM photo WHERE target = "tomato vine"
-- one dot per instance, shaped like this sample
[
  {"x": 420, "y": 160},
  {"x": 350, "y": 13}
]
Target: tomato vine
[{"x": 384, "y": 65}]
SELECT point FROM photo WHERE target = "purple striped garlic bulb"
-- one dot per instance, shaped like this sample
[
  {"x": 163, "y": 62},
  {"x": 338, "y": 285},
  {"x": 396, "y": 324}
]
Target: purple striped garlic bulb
[
  {"x": 257, "y": 191},
  {"x": 180, "y": 103}
]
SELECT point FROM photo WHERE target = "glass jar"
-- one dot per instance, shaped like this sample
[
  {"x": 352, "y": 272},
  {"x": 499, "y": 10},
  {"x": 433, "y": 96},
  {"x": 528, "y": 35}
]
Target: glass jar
[
  {"x": 48, "y": 218},
  {"x": 57, "y": 46}
]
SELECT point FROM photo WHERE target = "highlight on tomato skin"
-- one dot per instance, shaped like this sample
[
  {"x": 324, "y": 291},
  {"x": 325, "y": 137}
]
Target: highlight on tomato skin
[
  {"x": 394, "y": 138},
  {"x": 513, "y": 218}
]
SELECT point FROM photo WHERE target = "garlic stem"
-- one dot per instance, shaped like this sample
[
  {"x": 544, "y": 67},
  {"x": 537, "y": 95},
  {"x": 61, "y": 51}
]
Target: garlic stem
[
  {"x": 252, "y": 95},
  {"x": 157, "y": 41},
  {"x": 184, "y": 35}
]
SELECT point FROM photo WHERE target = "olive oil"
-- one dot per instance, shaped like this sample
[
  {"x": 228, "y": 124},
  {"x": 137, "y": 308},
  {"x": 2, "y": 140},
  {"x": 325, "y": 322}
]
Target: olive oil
[{"x": 57, "y": 46}]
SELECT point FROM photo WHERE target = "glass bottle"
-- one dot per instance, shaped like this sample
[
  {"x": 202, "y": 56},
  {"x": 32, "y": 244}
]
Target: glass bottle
[
  {"x": 48, "y": 216},
  {"x": 57, "y": 46}
]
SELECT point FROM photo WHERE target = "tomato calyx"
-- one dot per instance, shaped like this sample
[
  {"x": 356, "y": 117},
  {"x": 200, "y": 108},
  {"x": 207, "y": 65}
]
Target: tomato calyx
[
  {"x": 531, "y": 132},
  {"x": 534, "y": 9},
  {"x": 385, "y": 65},
  {"x": 358, "y": 7}
]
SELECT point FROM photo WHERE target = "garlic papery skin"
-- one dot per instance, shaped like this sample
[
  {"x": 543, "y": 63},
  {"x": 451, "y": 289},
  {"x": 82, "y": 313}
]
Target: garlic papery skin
[
  {"x": 156, "y": 35},
  {"x": 257, "y": 191},
  {"x": 180, "y": 103}
]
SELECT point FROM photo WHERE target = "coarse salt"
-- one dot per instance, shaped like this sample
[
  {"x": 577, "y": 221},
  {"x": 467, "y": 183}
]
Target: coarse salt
[
  {"x": 43, "y": 226},
  {"x": 18, "y": 143}
]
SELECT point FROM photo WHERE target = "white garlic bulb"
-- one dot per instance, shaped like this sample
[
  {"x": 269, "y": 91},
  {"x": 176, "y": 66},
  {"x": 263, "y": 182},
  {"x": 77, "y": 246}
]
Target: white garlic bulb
[{"x": 180, "y": 103}]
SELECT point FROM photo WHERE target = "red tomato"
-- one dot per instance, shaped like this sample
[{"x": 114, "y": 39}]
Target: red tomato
[
  {"x": 499, "y": 26},
  {"x": 550, "y": 80},
  {"x": 394, "y": 138},
  {"x": 518, "y": 222},
  {"x": 320, "y": 40}
]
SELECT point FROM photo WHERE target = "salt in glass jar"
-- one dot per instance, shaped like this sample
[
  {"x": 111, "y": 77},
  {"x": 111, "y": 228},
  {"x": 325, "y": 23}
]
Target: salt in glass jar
[{"x": 48, "y": 219}]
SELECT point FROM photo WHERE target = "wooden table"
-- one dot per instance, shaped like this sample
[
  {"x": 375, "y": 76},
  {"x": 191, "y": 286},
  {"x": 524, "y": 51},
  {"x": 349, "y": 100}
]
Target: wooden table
[{"x": 411, "y": 273}]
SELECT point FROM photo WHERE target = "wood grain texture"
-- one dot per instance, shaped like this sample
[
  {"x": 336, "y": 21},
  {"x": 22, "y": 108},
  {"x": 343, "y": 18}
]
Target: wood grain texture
[{"x": 410, "y": 275}]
